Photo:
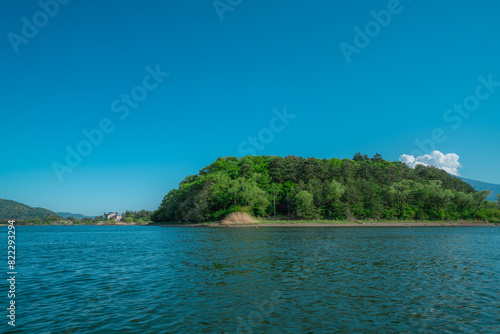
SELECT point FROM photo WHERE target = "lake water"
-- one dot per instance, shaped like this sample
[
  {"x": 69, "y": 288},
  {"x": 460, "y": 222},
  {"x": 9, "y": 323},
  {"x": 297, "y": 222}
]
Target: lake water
[{"x": 132, "y": 279}]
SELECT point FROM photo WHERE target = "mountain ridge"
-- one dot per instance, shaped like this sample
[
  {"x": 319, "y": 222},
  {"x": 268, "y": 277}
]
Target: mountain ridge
[
  {"x": 480, "y": 185},
  {"x": 10, "y": 209},
  {"x": 78, "y": 216}
]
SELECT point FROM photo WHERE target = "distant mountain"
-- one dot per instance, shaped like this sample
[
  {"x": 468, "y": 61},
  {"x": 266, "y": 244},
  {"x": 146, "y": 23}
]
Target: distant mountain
[
  {"x": 15, "y": 210},
  {"x": 478, "y": 185},
  {"x": 74, "y": 215}
]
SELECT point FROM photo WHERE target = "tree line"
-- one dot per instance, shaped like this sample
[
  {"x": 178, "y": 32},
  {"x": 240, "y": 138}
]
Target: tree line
[
  {"x": 140, "y": 217},
  {"x": 310, "y": 188}
]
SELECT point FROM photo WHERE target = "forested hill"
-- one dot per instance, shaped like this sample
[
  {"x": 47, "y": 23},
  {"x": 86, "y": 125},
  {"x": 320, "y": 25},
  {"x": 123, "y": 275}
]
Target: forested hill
[
  {"x": 299, "y": 188},
  {"x": 15, "y": 210}
]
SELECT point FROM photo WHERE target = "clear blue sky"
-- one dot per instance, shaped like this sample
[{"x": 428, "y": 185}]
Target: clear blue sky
[{"x": 225, "y": 78}]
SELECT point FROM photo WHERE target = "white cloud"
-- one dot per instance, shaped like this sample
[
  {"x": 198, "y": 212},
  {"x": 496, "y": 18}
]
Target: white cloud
[{"x": 448, "y": 162}]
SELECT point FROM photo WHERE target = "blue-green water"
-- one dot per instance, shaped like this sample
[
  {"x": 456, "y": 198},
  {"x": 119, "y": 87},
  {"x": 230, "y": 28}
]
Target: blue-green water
[{"x": 83, "y": 279}]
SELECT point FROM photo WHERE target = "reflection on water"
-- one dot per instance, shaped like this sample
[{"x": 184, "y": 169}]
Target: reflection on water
[{"x": 83, "y": 279}]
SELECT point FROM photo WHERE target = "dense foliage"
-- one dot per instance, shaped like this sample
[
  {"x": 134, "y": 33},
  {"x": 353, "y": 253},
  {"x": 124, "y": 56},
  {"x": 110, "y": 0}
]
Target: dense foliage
[
  {"x": 140, "y": 217},
  {"x": 15, "y": 210},
  {"x": 362, "y": 188}
]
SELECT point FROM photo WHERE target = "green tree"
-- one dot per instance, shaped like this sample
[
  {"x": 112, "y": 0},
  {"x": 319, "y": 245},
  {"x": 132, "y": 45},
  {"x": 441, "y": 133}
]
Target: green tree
[
  {"x": 304, "y": 205},
  {"x": 401, "y": 192},
  {"x": 480, "y": 198},
  {"x": 98, "y": 219},
  {"x": 275, "y": 190},
  {"x": 377, "y": 158},
  {"x": 462, "y": 201},
  {"x": 358, "y": 157},
  {"x": 333, "y": 207},
  {"x": 51, "y": 219},
  {"x": 247, "y": 193}
]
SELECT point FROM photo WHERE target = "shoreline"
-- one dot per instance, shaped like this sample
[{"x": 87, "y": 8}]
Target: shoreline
[
  {"x": 365, "y": 224},
  {"x": 358, "y": 225},
  {"x": 298, "y": 223},
  {"x": 78, "y": 225},
  {"x": 323, "y": 224}
]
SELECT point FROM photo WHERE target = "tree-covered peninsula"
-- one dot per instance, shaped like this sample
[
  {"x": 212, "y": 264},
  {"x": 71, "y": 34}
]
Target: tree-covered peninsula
[{"x": 334, "y": 189}]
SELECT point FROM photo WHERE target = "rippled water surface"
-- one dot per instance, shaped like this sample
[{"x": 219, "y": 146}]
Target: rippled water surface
[{"x": 131, "y": 279}]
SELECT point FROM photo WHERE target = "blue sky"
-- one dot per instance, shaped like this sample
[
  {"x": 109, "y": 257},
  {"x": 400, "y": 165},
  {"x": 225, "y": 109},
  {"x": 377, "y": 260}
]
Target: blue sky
[{"x": 225, "y": 79}]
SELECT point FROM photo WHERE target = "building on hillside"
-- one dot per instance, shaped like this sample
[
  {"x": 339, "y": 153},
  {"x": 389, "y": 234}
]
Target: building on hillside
[{"x": 113, "y": 215}]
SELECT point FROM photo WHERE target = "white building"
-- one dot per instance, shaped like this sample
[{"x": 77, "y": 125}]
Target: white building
[{"x": 113, "y": 215}]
